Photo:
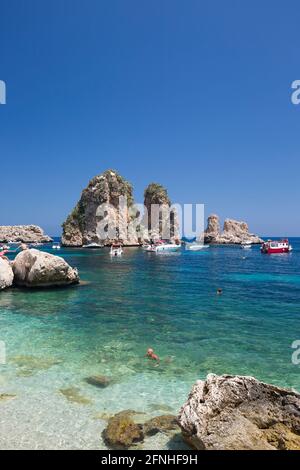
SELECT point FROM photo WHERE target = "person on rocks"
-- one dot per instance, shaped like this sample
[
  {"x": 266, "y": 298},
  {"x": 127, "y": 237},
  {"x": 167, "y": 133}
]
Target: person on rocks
[
  {"x": 3, "y": 253},
  {"x": 6, "y": 251}
]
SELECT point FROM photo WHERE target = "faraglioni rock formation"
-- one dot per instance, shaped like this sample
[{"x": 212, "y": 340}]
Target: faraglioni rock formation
[
  {"x": 6, "y": 274},
  {"x": 162, "y": 220},
  {"x": 234, "y": 232},
  {"x": 34, "y": 268},
  {"x": 87, "y": 224},
  {"x": 240, "y": 413},
  {"x": 23, "y": 233}
]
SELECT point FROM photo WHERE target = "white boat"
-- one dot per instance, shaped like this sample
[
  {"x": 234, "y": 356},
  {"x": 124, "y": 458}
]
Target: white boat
[
  {"x": 195, "y": 246},
  {"x": 116, "y": 250},
  {"x": 163, "y": 247},
  {"x": 246, "y": 246},
  {"x": 56, "y": 246},
  {"x": 92, "y": 246}
]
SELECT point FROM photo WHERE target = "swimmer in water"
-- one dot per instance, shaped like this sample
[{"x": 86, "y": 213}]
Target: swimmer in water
[
  {"x": 219, "y": 291},
  {"x": 152, "y": 355}
]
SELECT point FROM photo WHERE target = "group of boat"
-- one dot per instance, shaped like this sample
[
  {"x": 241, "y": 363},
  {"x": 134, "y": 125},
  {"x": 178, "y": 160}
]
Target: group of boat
[{"x": 161, "y": 246}]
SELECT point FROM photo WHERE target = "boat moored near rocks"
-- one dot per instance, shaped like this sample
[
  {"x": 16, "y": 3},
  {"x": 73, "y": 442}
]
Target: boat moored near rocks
[
  {"x": 116, "y": 250},
  {"x": 161, "y": 246},
  {"x": 276, "y": 246},
  {"x": 92, "y": 246}
]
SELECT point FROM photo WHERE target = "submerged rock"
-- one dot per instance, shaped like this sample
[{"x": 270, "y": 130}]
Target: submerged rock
[
  {"x": 103, "y": 415},
  {"x": 122, "y": 431},
  {"x": 100, "y": 381},
  {"x": 6, "y": 397},
  {"x": 29, "y": 365},
  {"x": 240, "y": 413},
  {"x": 82, "y": 225},
  {"x": 23, "y": 233},
  {"x": 73, "y": 395},
  {"x": 163, "y": 423},
  {"x": 234, "y": 232},
  {"x": 6, "y": 274},
  {"x": 34, "y": 268},
  {"x": 160, "y": 407}
]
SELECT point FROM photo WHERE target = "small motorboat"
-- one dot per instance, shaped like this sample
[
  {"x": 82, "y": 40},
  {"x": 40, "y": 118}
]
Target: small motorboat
[
  {"x": 92, "y": 246},
  {"x": 276, "y": 246},
  {"x": 116, "y": 250},
  {"x": 56, "y": 246},
  {"x": 246, "y": 245},
  {"x": 160, "y": 247},
  {"x": 195, "y": 246}
]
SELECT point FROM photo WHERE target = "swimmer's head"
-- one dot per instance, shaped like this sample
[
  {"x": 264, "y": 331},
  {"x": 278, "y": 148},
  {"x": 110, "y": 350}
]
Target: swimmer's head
[{"x": 149, "y": 352}]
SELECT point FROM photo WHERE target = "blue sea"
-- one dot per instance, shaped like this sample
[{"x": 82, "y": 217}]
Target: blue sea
[{"x": 56, "y": 338}]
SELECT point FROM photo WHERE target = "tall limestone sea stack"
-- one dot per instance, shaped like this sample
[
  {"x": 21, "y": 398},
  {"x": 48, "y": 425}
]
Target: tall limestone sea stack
[
  {"x": 85, "y": 224},
  {"x": 82, "y": 225},
  {"x": 161, "y": 221},
  {"x": 234, "y": 232}
]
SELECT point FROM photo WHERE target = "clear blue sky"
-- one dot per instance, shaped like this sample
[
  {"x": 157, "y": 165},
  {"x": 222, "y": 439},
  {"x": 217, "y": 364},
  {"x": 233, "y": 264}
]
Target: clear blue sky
[{"x": 194, "y": 95}]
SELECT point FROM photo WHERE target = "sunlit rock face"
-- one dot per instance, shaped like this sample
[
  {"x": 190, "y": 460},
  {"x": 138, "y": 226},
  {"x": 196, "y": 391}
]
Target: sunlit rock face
[
  {"x": 6, "y": 274},
  {"x": 33, "y": 268},
  {"x": 103, "y": 214},
  {"x": 23, "y": 233},
  {"x": 234, "y": 232},
  {"x": 240, "y": 413},
  {"x": 162, "y": 220}
]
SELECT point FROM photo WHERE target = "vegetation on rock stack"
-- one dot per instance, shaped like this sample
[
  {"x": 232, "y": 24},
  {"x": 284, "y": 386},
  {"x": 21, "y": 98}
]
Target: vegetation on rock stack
[
  {"x": 80, "y": 226},
  {"x": 156, "y": 194}
]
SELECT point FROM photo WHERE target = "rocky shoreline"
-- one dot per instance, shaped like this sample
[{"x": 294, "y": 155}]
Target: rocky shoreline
[
  {"x": 221, "y": 413},
  {"x": 240, "y": 413},
  {"x": 23, "y": 234}
]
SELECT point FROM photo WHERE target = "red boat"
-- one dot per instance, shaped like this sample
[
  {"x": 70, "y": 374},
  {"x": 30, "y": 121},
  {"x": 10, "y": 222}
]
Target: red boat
[{"x": 276, "y": 246}]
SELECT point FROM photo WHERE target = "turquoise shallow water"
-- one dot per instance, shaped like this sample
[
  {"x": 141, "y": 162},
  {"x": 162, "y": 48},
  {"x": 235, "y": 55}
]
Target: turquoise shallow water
[{"x": 55, "y": 338}]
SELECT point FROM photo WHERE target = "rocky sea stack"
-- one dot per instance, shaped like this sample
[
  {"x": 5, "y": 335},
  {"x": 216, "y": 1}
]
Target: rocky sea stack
[
  {"x": 240, "y": 413},
  {"x": 81, "y": 226},
  {"x": 23, "y": 233},
  {"x": 85, "y": 224},
  {"x": 234, "y": 232},
  {"x": 159, "y": 221}
]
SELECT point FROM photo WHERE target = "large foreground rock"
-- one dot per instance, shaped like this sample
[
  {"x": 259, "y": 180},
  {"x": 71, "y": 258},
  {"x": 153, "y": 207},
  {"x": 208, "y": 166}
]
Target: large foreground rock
[
  {"x": 34, "y": 268},
  {"x": 23, "y": 233},
  {"x": 234, "y": 232},
  {"x": 239, "y": 413},
  {"x": 6, "y": 274}
]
